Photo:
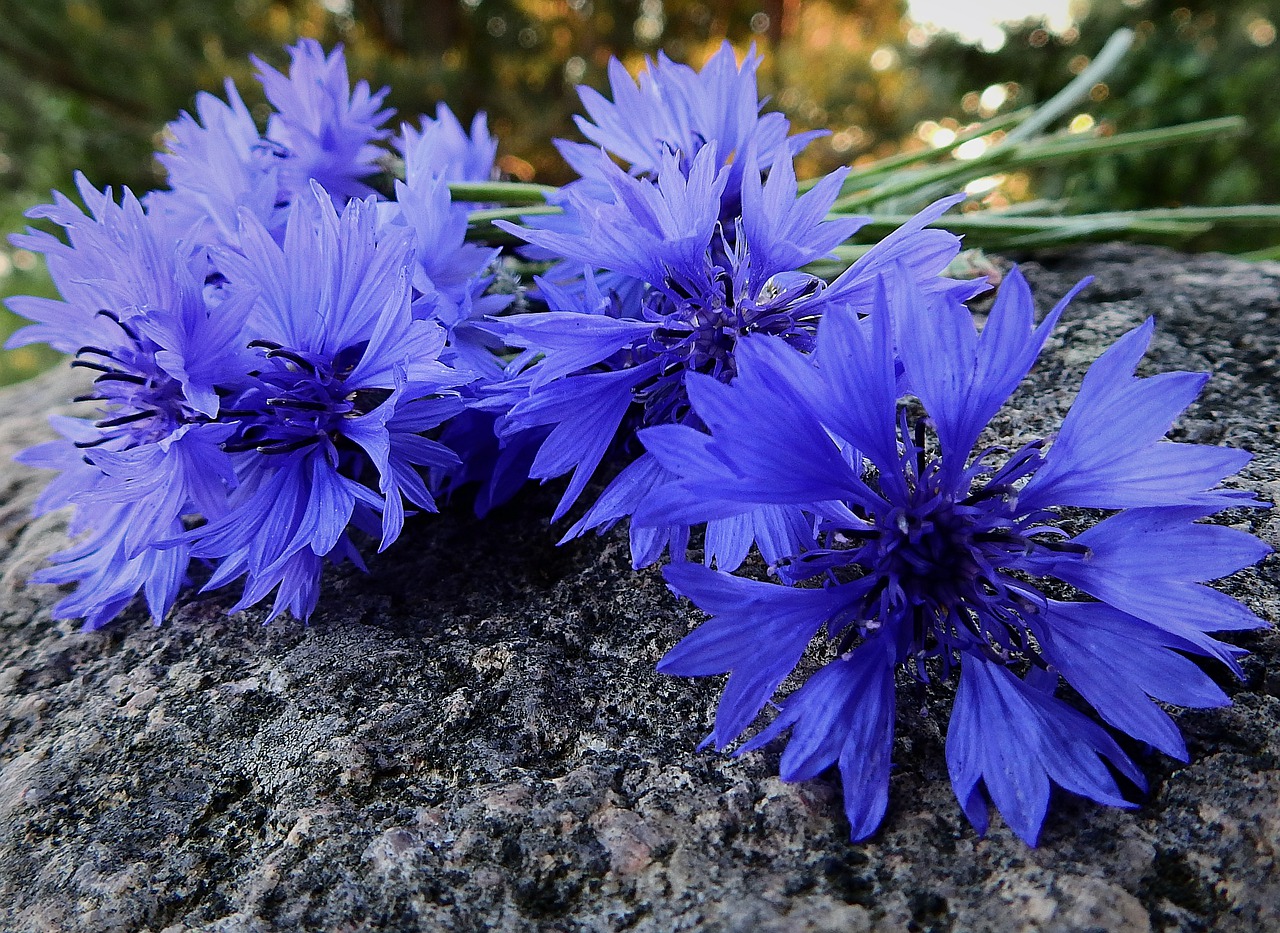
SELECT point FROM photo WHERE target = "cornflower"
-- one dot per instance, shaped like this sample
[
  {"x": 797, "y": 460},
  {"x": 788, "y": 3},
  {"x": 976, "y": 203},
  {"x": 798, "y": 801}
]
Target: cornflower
[
  {"x": 133, "y": 314},
  {"x": 933, "y": 560},
  {"x": 441, "y": 148},
  {"x": 672, "y": 110},
  {"x": 330, "y": 422},
  {"x": 602, "y": 364},
  {"x": 219, "y": 163}
]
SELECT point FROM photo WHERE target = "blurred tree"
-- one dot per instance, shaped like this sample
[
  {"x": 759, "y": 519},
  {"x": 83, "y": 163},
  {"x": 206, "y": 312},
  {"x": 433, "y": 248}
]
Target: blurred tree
[
  {"x": 841, "y": 66},
  {"x": 91, "y": 82}
]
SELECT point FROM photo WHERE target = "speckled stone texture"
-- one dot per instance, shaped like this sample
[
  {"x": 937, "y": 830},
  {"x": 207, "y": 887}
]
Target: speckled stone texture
[{"x": 473, "y": 736}]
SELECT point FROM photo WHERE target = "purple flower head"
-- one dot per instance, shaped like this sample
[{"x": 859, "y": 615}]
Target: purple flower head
[
  {"x": 604, "y": 364},
  {"x": 450, "y": 281},
  {"x": 450, "y": 275},
  {"x": 326, "y": 130},
  {"x": 135, "y": 317},
  {"x": 670, "y": 110},
  {"x": 670, "y": 115},
  {"x": 219, "y": 164},
  {"x": 441, "y": 148},
  {"x": 329, "y": 424},
  {"x": 937, "y": 558}
]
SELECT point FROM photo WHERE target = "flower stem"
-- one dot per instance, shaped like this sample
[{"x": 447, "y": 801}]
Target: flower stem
[
  {"x": 1107, "y": 58},
  {"x": 489, "y": 215},
  {"x": 866, "y": 175},
  {"x": 1022, "y": 155},
  {"x": 501, "y": 192}
]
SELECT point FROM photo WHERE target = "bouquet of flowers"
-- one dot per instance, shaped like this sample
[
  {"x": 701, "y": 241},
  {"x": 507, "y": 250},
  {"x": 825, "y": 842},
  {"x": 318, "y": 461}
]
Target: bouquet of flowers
[{"x": 318, "y": 328}]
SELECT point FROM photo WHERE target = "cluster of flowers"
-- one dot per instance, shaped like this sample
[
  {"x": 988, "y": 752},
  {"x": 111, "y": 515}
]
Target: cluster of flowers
[
  {"x": 284, "y": 357},
  {"x": 272, "y": 343}
]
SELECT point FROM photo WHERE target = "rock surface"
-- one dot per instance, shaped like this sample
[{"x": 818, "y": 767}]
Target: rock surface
[{"x": 473, "y": 736}]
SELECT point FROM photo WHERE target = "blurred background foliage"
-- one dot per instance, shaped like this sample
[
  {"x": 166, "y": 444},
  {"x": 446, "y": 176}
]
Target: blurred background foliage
[{"x": 89, "y": 84}]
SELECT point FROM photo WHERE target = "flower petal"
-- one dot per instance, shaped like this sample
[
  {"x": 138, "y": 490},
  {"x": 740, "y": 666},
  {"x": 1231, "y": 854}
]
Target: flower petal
[
  {"x": 963, "y": 378},
  {"x": 1083, "y": 640},
  {"x": 843, "y": 713},
  {"x": 1015, "y": 739},
  {"x": 859, "y": 390},
  {"x": 757, "y": 632},
  {"x": 1109, "y": 453}
]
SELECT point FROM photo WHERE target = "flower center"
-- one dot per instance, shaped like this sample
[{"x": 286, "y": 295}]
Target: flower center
[
  {"x": 932, "y": 565},
  {"x": 298, "y": 399},
  {"x": 701, "y": 324},
  {"x": 937, "y": 566},
  {"x": 142, "y": 402}
]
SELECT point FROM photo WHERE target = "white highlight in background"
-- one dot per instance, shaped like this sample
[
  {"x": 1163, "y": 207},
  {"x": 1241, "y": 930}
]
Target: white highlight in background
[{"x": 979, "y": 23}]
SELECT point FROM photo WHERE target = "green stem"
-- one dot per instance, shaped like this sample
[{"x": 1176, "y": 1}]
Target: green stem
[
  {"x": 1039, "y": 153},
  {"x": 1041, "y": 207},
  {"x": 992, "y": 222},
  {"x": 1056, "y": 150},
  {"x": 492, "y": 236},
  {"x": 1108, "y": 230},
  {"x": 865, "y": 175},
  {"x": 502, "y": 192},
  {"x": 1107, "y": 58},
  {"x": 1238, "y": 214},
  {"x": 489, "y": 215}
]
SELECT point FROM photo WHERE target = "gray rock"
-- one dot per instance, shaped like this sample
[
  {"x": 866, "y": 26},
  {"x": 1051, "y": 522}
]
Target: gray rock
[{"x": 473, "y": 736}]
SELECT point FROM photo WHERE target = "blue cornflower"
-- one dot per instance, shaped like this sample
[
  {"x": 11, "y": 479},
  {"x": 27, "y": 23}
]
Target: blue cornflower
[
  {"x": 668, "y": 116},
  {"x": 325, "y": 130},
  {"x": 133, "y": 313},
  {"x": 450, "y": 285},
  {"x": 935, "y": 560},
  {"x": 450, "y": 276},
  {"x": 451, "y": 281},
  {"x": 219, "y": 164},
  {"x": 329, "y": 424},
  {"x": 441, "y": 148},
  {"x": 606, "y": 363},
  {"x": 672, "y": 110}
]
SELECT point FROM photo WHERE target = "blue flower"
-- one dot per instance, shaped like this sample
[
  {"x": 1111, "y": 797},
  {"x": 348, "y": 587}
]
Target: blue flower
[
  {"x": 219, "y": 164},
  {"x": 134, "y": 314},
  {"x": 326, "y": 130},
  {"x": 602, "y": 364},
  {"x": 329, "y": 424},
  {"x": 441, "y": 148},
  {"x": 667, "y": 116},
  {"x": 450, "y": 275},
  {"x": 672, "y": 110},
  {"x": 932, "y": 559},
  {"x": 450, "y": 284},
  {"x": 291, "y": 396}
]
